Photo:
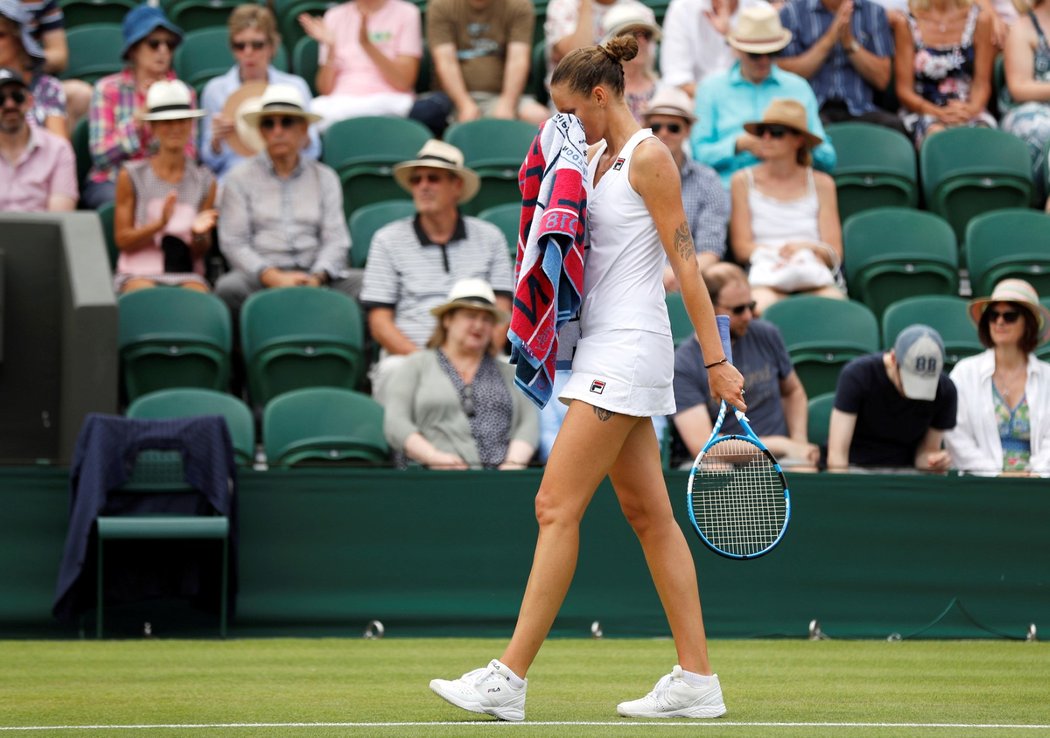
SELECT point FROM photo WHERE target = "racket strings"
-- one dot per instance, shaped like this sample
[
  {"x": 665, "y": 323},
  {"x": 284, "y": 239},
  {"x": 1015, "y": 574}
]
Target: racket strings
[{"x": 738, "y": 497}]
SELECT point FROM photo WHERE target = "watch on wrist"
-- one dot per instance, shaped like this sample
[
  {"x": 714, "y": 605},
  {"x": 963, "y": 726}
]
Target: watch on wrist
[{"x": 853, "y": 47}]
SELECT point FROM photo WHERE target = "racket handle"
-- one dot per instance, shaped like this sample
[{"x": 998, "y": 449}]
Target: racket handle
[{"x": 723, "y": 333}]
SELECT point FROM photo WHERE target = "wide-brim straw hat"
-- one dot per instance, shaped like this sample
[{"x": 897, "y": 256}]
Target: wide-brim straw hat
[
  {"x": 244, "y": 138},
  {"x": 1018, "y": 292},
  {"x": 280, "y": 99},
  {"x": 473, "y": 293},
  {"x": 671, "y": 101},
  {"x": 758, "y": 31},
  {"x": 789, "y": 113},
  {"x": 627, "y": 17},
  {"x": 440, "y": 155},
  {"x": 170, "y": 100}
]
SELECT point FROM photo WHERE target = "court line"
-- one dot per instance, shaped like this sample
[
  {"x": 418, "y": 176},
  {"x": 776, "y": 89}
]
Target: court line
[{"x": 503, "y": 725}]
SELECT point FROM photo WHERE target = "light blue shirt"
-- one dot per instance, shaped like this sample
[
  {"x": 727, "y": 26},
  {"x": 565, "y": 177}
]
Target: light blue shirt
[
  {"x": 725, "y": 101},
  {"x": 213, "y": 98}
]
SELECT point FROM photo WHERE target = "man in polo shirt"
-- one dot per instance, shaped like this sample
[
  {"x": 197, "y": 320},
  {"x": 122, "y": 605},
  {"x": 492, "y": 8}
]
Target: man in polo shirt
[
  {"x": 413, "y": 262},
  {"x": 282, "y": 221},
  {"x": 843, "y": 47},
  {"x": 38, "y": 172}
]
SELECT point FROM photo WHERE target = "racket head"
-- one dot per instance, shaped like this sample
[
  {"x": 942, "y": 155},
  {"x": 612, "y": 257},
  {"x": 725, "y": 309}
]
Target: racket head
[{"x": 738, "y": 499}]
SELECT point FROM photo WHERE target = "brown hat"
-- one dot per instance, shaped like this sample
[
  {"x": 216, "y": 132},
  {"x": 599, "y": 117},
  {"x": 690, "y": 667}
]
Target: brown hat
[
  {"x": 758, "y": 31},
  {"x": 786, "y": 112}
]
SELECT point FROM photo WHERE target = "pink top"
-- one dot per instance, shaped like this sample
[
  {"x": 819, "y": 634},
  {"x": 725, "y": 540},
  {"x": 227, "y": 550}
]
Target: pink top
[
  {"x": 395, "y": 28},
  {"x": 47, "y": 167}
]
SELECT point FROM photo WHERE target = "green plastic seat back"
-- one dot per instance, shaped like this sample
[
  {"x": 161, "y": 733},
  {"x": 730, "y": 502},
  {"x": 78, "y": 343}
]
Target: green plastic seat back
[
  {"x": 304, "y": 61},
  {"x": 681, "y": 326},
  {"x": 105, "y": 216},
  {"x": 875, "y": 167},
  {"x": 324, "y": 424},
  {"x": 1009, "y": 243},
  {"x": 94, "y": 51},
  {"x": 376, "y": 141},
  {"x": 506, "y": 217},
  {"x": 76, "y": 13},
  {"x": 195, "y": 15},
  {"x": 494, "y": 149},
  {"x": 819, "y": 415},
  {"x": 946, "y": 314},
  {"x": 80, "y": 141},
  {"x": 185, "y": 402},
  {"x": 366, "y": 220}
]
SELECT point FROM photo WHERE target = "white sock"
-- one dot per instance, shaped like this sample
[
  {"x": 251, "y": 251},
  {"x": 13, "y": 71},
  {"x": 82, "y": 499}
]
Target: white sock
[
  {"x": 696, "y": 680},
  {"x": 515, "y": 681}
]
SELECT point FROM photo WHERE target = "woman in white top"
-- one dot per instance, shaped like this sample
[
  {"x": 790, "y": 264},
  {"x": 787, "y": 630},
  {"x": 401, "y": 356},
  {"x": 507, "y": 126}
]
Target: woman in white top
[
  {"x": 1002, "y": 425},
  {"x": 621, "y": 376},
  {"x": 785, "y": 215}
]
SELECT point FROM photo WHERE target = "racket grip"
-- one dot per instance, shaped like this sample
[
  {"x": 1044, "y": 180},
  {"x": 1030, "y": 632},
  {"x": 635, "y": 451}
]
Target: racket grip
[{"x": 723, "y": 333}]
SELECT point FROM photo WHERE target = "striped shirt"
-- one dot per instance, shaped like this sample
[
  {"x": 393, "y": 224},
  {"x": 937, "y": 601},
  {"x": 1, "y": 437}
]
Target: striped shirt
[
  {"x": 410, "y": 273},
  {"x": 837, "y": 79},
  {"x": 44, "y": 16},
  {"x": 706, "y": 205}
]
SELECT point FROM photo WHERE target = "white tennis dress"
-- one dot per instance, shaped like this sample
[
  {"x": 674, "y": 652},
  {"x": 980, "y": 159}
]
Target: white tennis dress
[{"x": 624, "y": 361}]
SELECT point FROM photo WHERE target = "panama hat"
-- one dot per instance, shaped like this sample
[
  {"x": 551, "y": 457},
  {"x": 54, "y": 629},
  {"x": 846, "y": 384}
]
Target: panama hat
[
  {"x": 758, "y": 31},
  {"x": 244, "y": 139},
  {"x": 671, "y": 101},
  {"x": 142, "y": 21},
  {"x": 473, "y": 293},
  {"x": 16, "y": 12},
  {"x": 785, "y": 112},
  {"x": 1018, "y": 292},
  {"x": 280, "y": 99},
  {"x": 170, "y": 100},
  {"x": 625, "y": 17},
  {"x": 440, "y": 155}
]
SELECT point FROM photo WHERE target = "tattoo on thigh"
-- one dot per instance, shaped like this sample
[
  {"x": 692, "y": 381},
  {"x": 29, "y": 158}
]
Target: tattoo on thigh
[
  {"x": 603, "y": 414},
  {"x": 683, "y": 242}
]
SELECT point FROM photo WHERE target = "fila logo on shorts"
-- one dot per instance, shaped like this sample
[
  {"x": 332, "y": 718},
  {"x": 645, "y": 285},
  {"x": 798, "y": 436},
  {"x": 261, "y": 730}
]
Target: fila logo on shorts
[
  {"x": 597, "y": 386},
  {"x": 619, "y": 164}
]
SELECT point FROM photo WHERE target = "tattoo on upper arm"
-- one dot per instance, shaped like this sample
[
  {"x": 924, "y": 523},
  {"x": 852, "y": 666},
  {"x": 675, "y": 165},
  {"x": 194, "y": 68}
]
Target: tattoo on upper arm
[
  {"x": 683, "y": 242},
  {"x": 602, "y": 413}
]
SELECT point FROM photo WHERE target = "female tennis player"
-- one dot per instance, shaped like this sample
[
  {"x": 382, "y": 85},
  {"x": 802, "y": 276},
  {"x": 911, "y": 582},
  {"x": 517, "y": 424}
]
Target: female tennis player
[{"x": 621, "y": 377}]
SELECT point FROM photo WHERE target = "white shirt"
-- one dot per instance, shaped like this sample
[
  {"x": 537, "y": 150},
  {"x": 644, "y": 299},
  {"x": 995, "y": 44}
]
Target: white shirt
[{"x": 690, "y": 47}]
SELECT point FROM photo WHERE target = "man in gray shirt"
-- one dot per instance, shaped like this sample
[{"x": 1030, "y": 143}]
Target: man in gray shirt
[{"x": 282, "y": 221}]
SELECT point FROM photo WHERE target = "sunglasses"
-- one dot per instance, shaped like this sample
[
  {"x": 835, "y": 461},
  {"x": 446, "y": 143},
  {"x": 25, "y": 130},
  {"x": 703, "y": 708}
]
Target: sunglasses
[
  {"x": 671, "y": 127},
  {"x": 468, "y": 400},
  {"x": 774, "y": 131},
  {"x": 759, "y": 57},
  {"x": 254, "y": 45},
  {"x": 739, "y": 309},
  {"x": 156, "y": 43},
  {"x": 16, "y": 96},
  {"x": 430, "y": 177},
  {"x": 1008, "y": 316},
  {"x": 285, "y": 121}
]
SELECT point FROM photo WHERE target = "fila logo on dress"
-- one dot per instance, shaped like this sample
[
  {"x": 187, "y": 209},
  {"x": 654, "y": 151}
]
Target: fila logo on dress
[{"x": 597, "y": 386}]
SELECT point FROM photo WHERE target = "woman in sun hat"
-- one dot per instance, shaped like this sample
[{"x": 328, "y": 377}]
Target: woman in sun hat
[
  {"x": 118, "y": 133},
  {"x": 1003, "y": 421},
  {"x": 453, "y": 406},
  {"x": 784, "y": 217},
  {"x": 20, "y": 51},
  {"x": 164, "y": 212},
  {"x": 633, "y": 18}
]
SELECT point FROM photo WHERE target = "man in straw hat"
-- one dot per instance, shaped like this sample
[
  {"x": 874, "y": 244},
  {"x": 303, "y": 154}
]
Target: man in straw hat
[
  {"x": 282, "y": 219},
  {"x": 413, "y": 262},
  {"x": 727, "y": 100}
]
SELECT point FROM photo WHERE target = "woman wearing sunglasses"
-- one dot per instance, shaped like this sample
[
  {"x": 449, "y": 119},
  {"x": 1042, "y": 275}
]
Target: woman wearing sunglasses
[
  {"x": 454, "y": 406},
  {"x": 118, "y": 132},
  {"x": 254, "y": 41},
  {"x": 784, "y": 215},
  {"x": 1002, "y": 425}
]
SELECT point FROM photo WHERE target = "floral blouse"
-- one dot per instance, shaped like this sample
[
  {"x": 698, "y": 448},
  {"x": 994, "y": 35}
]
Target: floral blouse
[
  {"x": 945, "y": 73},
  {"x": 1015, "y": 432}
]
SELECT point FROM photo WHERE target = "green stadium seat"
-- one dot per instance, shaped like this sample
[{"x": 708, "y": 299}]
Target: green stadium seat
[
  {"x": 494, "y": 149},
  {"x": 324, "y": 424},
  {"x": 173, "y": 337},
  {"x": 304, "y": 62},
  {"x": 368, "y": 219},
  {"x": 822, "y": 335},
  {"x": 946, "y": 314},
  {"x": 82, "y": 12},
  {"x": 1009, "y": 243},
  {"x": 875, "y": 168},
  {"x": 194, "y": 15},
  {"x": 681, "y": 326},
  {"x": 298, "y": 337},
  {"x": 969, "y": 171},
  {"x": 820, "y": 408},
  {"x": 893, "y": 253},
  {"x": 105, "y": 215},
  {"x": 185, "y": 402},
  {"x": 537, "y": 84},
  {"x": 94, "y": 51},
  {"x": 507, "y": 218}
]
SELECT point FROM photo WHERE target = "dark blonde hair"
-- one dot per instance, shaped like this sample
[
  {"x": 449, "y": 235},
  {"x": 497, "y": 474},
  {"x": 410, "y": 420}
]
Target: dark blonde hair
[
  {"x": 254, "y": 16},
  {"x": 588, "y": 67}
]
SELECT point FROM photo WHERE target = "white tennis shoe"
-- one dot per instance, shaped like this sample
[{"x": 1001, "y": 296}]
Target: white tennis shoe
[
  {"x": 487, "y": 690},
  {"x": 674, "y": 697}
]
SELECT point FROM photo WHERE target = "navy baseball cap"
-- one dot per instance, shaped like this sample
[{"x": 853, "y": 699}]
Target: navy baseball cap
[{"x": 10, "y": 76}]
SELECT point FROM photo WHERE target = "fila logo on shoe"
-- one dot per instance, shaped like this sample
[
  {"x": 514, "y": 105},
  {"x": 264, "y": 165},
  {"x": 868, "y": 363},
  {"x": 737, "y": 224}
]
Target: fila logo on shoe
[{"x": 490, "y": 690}]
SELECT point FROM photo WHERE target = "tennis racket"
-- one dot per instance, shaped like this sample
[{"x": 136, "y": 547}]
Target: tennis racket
[{"x": 738, "y": 498}]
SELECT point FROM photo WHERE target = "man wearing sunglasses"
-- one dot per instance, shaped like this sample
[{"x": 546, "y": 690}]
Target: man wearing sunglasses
[
  {"x": 282, "y": 221},
  {"x": 777, "y": 405},
  {"x": 38, "y": 171}
]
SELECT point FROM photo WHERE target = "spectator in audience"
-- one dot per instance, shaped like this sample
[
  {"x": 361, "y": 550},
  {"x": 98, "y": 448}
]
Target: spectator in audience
[
  {"x": 482, "y": 52},
  {"x": 777, "y": 406},
  {"x": 164, "y": 211},
  {"x": 694, "y": 40},
  {"x": 413, "y": 262},
  {"x": 572, "y": 24},
  {"x": 45, "y": 22},
  {"x": 1025, "y": 103},
  {"x": 844, "y": 48},
  {"x": 118, "y": 134},
  {"x": 255, "y": 41},
  {"x": 726, "y": 100},
  {"x": 1003, "y": 423},
  {"x": 944, "y": 58},
  {"x": 20, "y": 51},
  {"x": 282, "y": 219},
  {"x": 892, "y": 409},
  {"x": 706, "y": 202},
  {"x": 640, "y": 78},
  {"x": 453, "y": 405},
  {"x": 38, "y": 171},
  {"x": 785, "y": 216},
  {"x": 369, "y": 53}
]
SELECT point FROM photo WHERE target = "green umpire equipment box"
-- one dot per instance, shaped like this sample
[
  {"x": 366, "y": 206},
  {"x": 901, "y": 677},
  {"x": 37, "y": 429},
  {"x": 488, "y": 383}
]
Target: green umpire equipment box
[{"x": 58, "y": 333}]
